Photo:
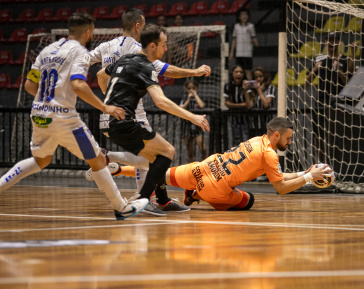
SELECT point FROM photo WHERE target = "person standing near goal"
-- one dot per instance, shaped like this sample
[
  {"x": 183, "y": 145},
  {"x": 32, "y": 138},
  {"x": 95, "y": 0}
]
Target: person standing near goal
[
  {"x": 130, "y": 79},
  {"x": 109, "y": 52},
  {"x": 56, "y": 78},
  {"x": 334, "y": 71}
]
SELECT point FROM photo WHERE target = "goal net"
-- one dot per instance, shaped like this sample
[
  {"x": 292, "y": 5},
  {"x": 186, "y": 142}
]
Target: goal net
[
  {"x": 325, "y": 88},
  {"x": 188, "y": 47}
]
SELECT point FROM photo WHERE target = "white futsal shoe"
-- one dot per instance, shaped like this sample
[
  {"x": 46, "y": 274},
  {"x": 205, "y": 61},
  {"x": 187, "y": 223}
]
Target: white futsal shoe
[
  {"x": 114, "y": 169},
  {"x": 132, "y": 208}
]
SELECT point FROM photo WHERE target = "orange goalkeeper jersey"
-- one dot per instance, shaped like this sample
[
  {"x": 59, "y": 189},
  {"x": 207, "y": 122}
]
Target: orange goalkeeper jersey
[{"x": 245, "y": 162}]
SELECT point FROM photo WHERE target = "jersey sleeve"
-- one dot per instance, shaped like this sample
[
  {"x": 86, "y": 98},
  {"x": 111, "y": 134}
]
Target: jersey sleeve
[
  {"x": 226, "y": 91},
  {"x": 80, "y": 64},
  {"x": 160, "y": 67},
  {"x": 110, "y": 68},
  {"x": 234, "y": 31},
  {"x": 271, "y": 91},
  {"x": 271, "y": 165},
  {"x": 148, "y": 76},
  {"x": 96, "y": 55},
  {"x": 252, "y": 31}
]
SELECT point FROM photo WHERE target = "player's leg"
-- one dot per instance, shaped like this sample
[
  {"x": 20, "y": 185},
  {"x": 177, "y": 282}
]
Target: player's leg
[
  {"x": 160, "y": 154},
  {"x": 42, "y": 146},
  {"x": 200, "y": 143},
  {"x": 190, "y": 149},
  {"x": 140, "y": 140},
  {"x": 78, "y": 140},
  {"x": 23, "y": 169},
  {"x": 246, "y": 202}
]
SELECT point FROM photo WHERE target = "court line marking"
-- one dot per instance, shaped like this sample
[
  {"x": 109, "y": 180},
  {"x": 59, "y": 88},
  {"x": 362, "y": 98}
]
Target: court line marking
[
  {"x": 183, "y": 276},
  {"x": 156, "y": 221}
]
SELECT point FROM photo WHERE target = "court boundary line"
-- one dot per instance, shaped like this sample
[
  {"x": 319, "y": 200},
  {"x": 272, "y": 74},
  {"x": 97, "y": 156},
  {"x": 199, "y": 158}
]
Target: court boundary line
[
  {"x": 156, "y": 221},
  {"x": 182, "y": 276}
]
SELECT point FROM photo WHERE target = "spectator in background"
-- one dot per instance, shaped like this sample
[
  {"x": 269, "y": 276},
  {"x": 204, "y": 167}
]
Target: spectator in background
[
  {"x": 263, "y": 95},
  {"x": 235, "y": 100},
  {"x": 161, "y": 21},
  {"x": 192, "y": 134},
  {"x": 334, "y": 71},
  {"x": 178, "y": 20},
  {"x": 242, "y": 43}
]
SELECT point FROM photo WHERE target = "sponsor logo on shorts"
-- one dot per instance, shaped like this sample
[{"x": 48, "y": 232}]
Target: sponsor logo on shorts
[
  {"x": 41, "y": 121},
  {"x": 198, "y": 176}
]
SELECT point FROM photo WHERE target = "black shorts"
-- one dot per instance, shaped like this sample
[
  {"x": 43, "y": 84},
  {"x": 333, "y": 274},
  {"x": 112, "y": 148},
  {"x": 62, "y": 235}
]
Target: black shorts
[
  {"x": 245, "y": 62},
  {"x": 130, "y": 135}
]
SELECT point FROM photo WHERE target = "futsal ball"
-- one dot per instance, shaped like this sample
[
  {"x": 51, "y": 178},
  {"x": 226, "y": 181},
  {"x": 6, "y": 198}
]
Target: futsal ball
[{"x": 328, "y": 180}]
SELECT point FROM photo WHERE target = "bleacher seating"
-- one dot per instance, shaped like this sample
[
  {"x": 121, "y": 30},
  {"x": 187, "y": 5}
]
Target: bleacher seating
[
  {"x": 218, "y": 7},
  {"x": 197, "y": 8},
  {"x": 236, "y": 5},
  {"x": 6, "y": 15},
  {"x": 354, "y": 25},
  {"x": 18, "y": 35},
  {"x": 17, "y": 83},
  {"x": 334, "y": 23},
  {"x": 26, "y": 15},
  {"x": 45, "y": 14},
  {"x": 5, "y": 80},
  {"x": 142, "y": 7},
  {"x": 84, "y": 9},
  {"x": 5, "y": 57},
  {"x": 62, "y": 14},
  {"x": 178, "y": 8},
  {"x": 157, "y": 9},
  {"x": 101, "y": 12},
  {"x": 20, "y": 59},
  {"x": 118, "y": 11},
  {"x": 309, "y": 49}
]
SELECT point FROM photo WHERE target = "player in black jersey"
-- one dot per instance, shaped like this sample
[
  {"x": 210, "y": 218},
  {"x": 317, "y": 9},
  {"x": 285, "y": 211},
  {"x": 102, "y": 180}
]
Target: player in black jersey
[{"x": 131, "y": 78}]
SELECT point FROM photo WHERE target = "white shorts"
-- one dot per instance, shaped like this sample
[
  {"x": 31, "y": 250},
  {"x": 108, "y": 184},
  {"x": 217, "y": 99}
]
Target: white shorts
[{"x": 71, "y": 133}]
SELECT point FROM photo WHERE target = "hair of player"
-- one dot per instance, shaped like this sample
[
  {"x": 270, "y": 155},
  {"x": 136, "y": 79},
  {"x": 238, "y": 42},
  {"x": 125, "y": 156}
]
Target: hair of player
[
  {"x": 194, "y": 82},
  {"x": 131, "y": 17},
  {"x": 151, "y": 34},
  {"x": 79, "y": 21},
  {"x": 279, "y": 124},
  {"x": 267, "y": 79}
]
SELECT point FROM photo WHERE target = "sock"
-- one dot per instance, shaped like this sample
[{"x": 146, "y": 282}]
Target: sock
[
  {"x": 104, "y": 181},
  {"x": 18, "y": 172},
  {"x": 161, "y": 193},
  {"x": 128, "y": 159},
  {"x": 127, "y": 171},
  {"x": 156, "y": 174},
  {"x": 141, "y": 174}
]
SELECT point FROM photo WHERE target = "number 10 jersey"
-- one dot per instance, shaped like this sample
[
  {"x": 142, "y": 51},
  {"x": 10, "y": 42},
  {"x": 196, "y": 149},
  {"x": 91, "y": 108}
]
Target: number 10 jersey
[{"x": 58, "y": 64}]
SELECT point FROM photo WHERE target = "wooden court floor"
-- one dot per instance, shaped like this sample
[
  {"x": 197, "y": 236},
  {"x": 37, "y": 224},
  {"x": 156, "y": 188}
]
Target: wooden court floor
[{"x": 57, "y": 237}]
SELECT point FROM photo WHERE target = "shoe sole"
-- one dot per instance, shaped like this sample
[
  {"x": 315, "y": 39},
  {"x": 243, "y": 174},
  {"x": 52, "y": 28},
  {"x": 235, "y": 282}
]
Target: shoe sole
[
  {"x": 133, "y": 214},
  {"x": 153, "y": 213},
  {"x": 179, "y": 211}
]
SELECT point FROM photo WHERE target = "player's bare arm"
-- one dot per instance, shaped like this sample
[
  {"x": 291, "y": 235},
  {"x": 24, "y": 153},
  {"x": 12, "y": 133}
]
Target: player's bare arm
[
  {"x": 102, "y": 79},
  {"x": 162, "y": 102},
  {"x": 177, "y": 72},
  {"x": 289, "y": 185},
  {"x": 31, "y": 87},
  {"x": 84, "y": 91}
]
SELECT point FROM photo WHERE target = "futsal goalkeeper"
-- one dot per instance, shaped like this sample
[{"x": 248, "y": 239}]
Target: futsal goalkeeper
[{"x": 214, "y": 180}]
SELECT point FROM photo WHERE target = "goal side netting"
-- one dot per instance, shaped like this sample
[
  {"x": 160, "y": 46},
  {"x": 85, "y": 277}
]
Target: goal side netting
[
  {"x": 188, "y": 47},
  {"x": 324, "y": 82}
]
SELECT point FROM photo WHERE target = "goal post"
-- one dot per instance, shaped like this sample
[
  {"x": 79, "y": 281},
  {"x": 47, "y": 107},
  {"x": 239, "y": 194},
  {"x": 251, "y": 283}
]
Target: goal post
[{"x": 326, "y": 102}]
